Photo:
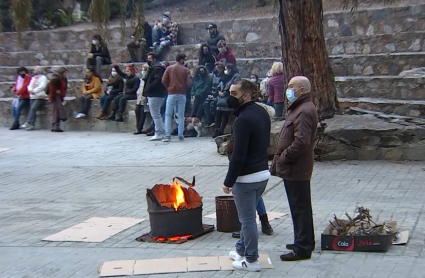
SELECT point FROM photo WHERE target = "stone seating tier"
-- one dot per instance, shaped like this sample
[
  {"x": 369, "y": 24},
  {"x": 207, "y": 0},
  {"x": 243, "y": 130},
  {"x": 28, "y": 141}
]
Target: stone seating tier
[
  {"x": 376, "y": 44},
  {"x": 407, "y": 88},
  {"x": 343, "y": 65},
  {"x": 336, "y": 24}
]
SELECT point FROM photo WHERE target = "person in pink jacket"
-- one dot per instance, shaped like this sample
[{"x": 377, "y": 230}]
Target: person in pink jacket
[{"x": 276, "y": 89}]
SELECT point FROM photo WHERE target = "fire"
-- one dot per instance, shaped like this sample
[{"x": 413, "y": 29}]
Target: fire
[
  {"x": 180, "y": 199},
  {"x": 175, "y": 238}
]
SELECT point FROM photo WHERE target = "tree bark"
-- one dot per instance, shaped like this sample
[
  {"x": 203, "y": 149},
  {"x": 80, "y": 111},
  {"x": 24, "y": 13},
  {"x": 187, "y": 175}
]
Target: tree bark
[{"x": 304, "y": 51}]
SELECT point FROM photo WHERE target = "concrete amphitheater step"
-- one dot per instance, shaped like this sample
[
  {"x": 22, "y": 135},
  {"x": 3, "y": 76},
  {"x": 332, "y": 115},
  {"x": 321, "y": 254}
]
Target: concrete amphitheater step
[
  {"x": 409, "y": 108},
  {"x": 120, "y": 54},
  {"x": 336, "y": 24},
  {"x": 386, "y": 87}
]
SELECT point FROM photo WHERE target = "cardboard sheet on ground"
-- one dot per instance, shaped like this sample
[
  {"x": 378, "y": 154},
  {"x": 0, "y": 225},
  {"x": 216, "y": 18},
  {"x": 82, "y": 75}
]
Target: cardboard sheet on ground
[
  {"x": 202, "y": 264},
  {"x": 173, "y": 265},
  {"x": 271, "y": 215},
  {"x": 4, "y": 149},
  {"x": 117, "y": 268},
  {"x": 95, "y": 229},
  {"x": 160, "y": 266},
  {"x": 401, "y": 238},
  {"x": 226, "y": 263}
]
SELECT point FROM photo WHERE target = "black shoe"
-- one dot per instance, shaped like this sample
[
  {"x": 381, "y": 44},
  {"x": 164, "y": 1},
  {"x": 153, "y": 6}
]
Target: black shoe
[
  {"x": 15, "y": 126},
  {"x": 216, "y": 133},
  {"x": 120, "y": 119},
  {"x": 292, "y": 257},
  {"x": 152, "y": 133},
  {"x": 137, "y": 132},
  {"x": 112, "y": 117},
  {"x": 236, "y": 235},
  {"x": 265, "y": 225},
  {"x": 290, "y": 246}
]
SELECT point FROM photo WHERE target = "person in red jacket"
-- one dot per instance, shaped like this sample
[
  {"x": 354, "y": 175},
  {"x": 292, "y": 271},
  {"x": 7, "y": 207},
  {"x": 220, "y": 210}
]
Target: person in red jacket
[
  {"x": 276, "y": 89},
  {"x": 225, "y": 54},
  {"x": 22, "y": 96},
  {"x": 57, "y": 89}
]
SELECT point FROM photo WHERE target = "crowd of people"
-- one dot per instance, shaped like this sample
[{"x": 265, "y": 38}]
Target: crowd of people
[{"x": 165, "y": 92}]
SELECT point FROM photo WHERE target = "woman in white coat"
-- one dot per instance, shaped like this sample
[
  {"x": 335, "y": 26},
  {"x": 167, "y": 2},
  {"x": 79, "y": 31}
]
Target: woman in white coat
[{"x": 37, "y": 89}]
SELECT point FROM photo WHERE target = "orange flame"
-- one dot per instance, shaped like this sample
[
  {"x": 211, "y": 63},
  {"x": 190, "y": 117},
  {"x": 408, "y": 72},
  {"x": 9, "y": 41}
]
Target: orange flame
[
  {"x": 179, "y": 195},
  {"x": 175, "y": 238}
]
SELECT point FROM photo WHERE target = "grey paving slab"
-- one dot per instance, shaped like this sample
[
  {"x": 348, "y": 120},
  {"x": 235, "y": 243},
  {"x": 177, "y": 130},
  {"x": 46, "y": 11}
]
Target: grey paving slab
[{"x": 49, "y": 182}]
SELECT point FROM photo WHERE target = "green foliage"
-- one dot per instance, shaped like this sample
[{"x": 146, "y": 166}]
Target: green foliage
[
  {"x": 100, "y": 14},
  {"x": 21, "y": 11}
]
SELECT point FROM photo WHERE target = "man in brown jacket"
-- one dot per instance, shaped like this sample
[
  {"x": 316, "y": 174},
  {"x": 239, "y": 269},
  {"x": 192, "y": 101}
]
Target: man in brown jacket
[
  {"x": 293, "y": 162},
  {"x": 177, "y": 80}
]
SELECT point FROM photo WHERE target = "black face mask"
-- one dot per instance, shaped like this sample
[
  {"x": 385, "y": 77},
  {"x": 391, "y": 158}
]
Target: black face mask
[
  {"x": 150, "y": 63},
  {"x": 23, "y": 75},
  {"x": 233, "y": 102}
]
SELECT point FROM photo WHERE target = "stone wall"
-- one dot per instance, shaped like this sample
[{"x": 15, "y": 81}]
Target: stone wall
[{"x": 340, "y": 24}]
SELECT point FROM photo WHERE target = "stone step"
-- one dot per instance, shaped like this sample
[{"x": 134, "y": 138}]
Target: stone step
[
  {"x": 376, "y": 64},
  {"x": 409, "y": 108},
  {"x": 388, "y": 43},
  {"x": 345, "y": 65},
  {"x": 376, "y": 44},
  {"x": 120, "y": 54},
  {"x": 336, "y": 24},
  {"x": 386, "y": 87},
  {"x": 366, "y": 137}
]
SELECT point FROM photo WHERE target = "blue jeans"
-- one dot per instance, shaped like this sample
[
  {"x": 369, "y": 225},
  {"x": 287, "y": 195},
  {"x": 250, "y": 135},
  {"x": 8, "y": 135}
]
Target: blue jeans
[
  {"x": 261, "y": 208},
  {"x": 105, "y": 100},
  {"x": 247, "y": 196},
  {"x": 279, "y": 109},
  {"x": 155, "y": 104},
  {"x": 16, "y": 111},
  {"x": 178, "y": 102}
]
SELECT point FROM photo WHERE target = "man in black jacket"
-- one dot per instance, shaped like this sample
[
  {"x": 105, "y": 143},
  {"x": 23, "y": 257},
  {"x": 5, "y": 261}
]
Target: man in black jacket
[
  {"x": 99, "y": 54},
  {"x": 214, "y": 37},
  {"x": 139, "y": 47},
  {"x": 155, "y": 91},
  {"x": 248, "y": 172}
]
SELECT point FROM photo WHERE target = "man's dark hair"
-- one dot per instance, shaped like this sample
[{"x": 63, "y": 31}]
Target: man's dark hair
[
  {"x": 249, "y": 87},
  {"x": 231, "y": 67},
  {"x": 180, "y": 56},
  {"x": 22, "y": 69},
  {"x": 153, "y": 55}
]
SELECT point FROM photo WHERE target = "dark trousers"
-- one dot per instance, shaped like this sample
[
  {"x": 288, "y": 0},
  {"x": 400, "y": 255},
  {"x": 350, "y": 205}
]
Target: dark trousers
[
  {"x": 22, "y": 104},
  {"x": 198, "y": 108},
  {"x": 141, "y": 116},
  {"x": 120, "y": 102},
  {"x": 85, "y": 103},
  {"x": 299, "y": 198},
  {"x": 210, "y": 108},
  {"x": 137, "y": 51},
  {"x": 105, "y": 100},
  {"x": 222, "y": 119},
  {"x": 35, "y": 105},
  {"x": 279, "y": 107},
  {"x": 95, "y": 63}
]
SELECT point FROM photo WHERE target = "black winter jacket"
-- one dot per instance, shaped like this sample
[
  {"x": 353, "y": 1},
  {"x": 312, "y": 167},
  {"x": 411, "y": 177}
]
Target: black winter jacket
[
  {"x": 153, "y": 82},
  {"x": 132, "y": 84}
]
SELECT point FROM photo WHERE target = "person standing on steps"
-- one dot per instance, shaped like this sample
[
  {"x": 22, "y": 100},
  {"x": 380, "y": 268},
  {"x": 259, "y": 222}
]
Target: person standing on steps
[
  {"x": 155, "y": 91},
  {"x": 213, "y": 38},
  {"x": 114, "y": 87},
  {"x": 129, "y": 93},
  {"x": 139, "y": 48},
  {"x": 223, "y": 111},
  {"x": 92, "y": 89},
  {"x": 293, "y": 162},
  {"x": 276, "y": 88},
  {"x": 21, "y": 99},
  {"x": 99, "y": 54},
  {"x": 176, "y": 80},
  {"x": 37, "y": 89},
  {"x": 248, "y": 171},
  {"x": 57, "y": 91}
]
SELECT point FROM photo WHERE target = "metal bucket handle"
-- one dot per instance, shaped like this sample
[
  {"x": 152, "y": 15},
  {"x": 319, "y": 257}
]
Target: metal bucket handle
[{"x": 185, "y": 181}]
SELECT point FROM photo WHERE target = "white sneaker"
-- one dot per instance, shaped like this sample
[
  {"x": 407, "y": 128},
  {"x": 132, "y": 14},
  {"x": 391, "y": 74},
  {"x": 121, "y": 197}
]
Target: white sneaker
[
  {"x": 244, "y": 265},
  {"x": 235, "y": 256},
  {"x": 156, "y": 137},
  {"x": 25, "y": 125},
  {"x": 80, "y": 115}
]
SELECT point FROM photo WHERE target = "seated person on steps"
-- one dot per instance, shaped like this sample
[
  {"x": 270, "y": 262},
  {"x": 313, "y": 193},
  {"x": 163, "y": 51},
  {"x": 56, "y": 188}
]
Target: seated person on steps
[
  {"x": 21, "y": 99},
  {"x": 206, "y": 58},
  {"x": 210, "y": 104},
  {"x": 99, "y": 54},
  {"x": 138, "y": 48},
  {"x": 130, "y": 92},
  {"x": 165, "y": 35},
  {"x": 213, "y": 38},
  {"x": 114, "y": 87},
  {"x": 92, "y": 89}
]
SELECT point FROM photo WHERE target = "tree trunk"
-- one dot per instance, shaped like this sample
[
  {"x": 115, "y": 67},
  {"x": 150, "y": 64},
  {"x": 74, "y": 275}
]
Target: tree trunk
[{"x": 304, "y": 51}]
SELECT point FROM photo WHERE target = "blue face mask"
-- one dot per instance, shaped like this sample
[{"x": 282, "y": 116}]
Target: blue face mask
[{"x": 290, "y": 95}]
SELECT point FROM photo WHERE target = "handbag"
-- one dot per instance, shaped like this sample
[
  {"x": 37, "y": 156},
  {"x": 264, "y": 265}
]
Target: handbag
[{"x": 222, "y": 102}]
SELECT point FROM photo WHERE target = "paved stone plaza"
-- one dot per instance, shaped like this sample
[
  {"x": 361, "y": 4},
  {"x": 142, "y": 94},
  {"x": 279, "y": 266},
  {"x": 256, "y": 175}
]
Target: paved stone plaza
[{"x": 49, "y": 182}]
